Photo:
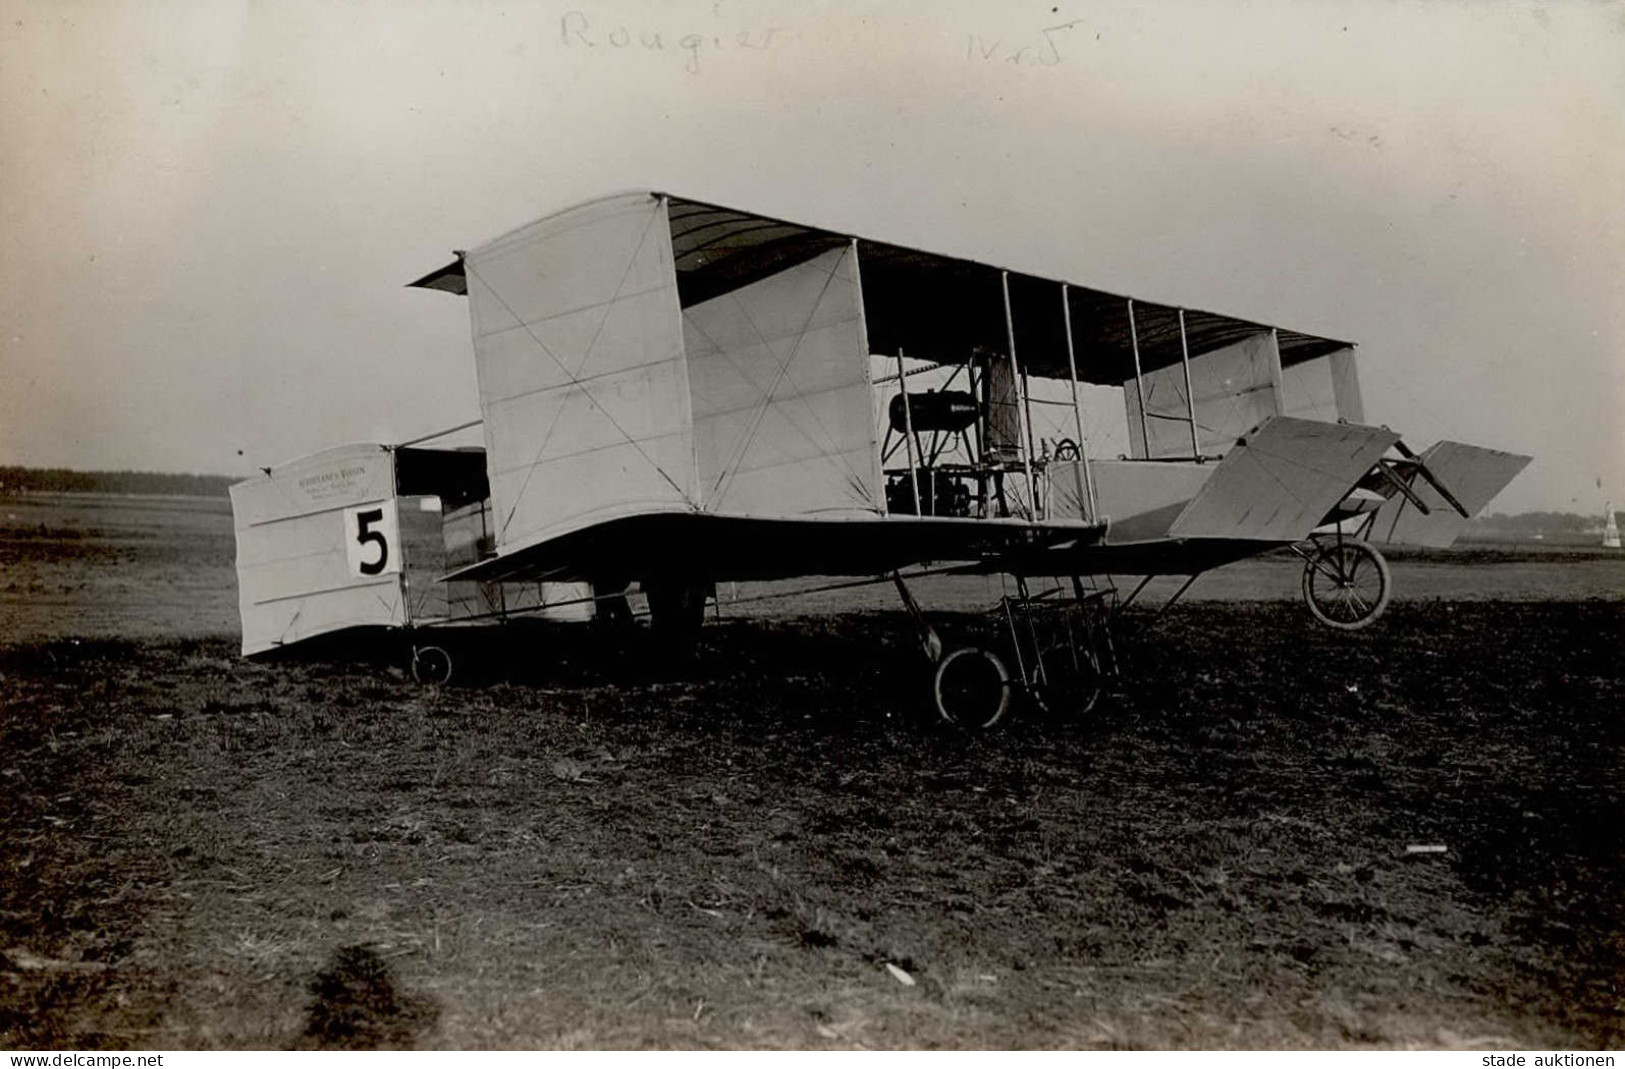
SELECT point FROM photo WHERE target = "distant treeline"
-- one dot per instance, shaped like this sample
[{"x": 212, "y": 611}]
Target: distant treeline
[
  {"x": 1538, "y": 522},
  {"x": 60, "y": 480}
]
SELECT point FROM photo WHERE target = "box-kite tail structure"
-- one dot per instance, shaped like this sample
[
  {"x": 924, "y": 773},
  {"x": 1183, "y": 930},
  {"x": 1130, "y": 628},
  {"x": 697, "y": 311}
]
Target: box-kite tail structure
[{"x": 356, "y": 540}]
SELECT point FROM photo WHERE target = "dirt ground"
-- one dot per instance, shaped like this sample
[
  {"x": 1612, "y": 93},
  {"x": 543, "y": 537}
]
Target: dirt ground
[{"x": 578, "y": 845}]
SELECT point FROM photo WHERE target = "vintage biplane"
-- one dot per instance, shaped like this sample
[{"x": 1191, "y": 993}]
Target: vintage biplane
[{"x": 675, "y": 394}]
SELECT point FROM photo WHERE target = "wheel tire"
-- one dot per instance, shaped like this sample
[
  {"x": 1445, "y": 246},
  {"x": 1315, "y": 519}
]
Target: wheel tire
[
  {"x": 972, "y": 688},
  {"x": 431, "y": 665},
  {"x": 1346, "y": 584},
  {"x": 676, "y": 613},
  {"x": 1073, "y": 683}
]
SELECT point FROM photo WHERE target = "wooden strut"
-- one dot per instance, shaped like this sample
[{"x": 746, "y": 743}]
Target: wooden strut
[
  {"x": 908, "y": 436},
  {"x": 505, "y": 613},
  {"x": 1135, "y": 592},
  {"x": 930, "y": 641},
  {"x": 928, "y": 369},
  {"x": 1190, "y": 396},
  {"x": 1015, "y": 640},
  {"x": 1177, "y": 595},
  {"x": 981, "y": 394},
  {"x": 1400, "y": 485},
  {"x": 1039, "y": 675},
  {"x": 402, "y": 587},
  {"x": 437, "y": 434},
  {"x": 1277, "y": 382},
  {"x": 1087, "y": 488},
  {"x": 1021, "y": 408},
  {"x": 1139, "y": 383},
  {"x": 1432, "y": 480},
  {"x": 850, "y": 584}
]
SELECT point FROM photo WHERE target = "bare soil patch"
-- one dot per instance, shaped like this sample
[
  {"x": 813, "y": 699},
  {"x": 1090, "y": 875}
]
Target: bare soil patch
[{"x": 578, "y": 846}]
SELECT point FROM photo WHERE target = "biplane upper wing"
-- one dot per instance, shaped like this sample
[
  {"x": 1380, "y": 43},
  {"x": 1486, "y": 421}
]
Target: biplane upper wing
[
  {"x": 1279, "y": 483},
  {"x": 1472, "y": 474}
]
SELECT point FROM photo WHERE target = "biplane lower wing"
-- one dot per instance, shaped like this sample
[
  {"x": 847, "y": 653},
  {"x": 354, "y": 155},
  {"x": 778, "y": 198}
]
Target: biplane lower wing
[
  {"x": 728, "y": 548},
  {"x": 1472, "y": 474},
  {"x": 1280, "y": 482},
  {"x": 1160, "y": 556}
]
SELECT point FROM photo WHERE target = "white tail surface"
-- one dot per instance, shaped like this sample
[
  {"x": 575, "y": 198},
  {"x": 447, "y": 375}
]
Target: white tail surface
[
  {"x": 304, "y": 564},
  {"x": 1472, "y": 474},
  {"x": 1279, "y": 483}
]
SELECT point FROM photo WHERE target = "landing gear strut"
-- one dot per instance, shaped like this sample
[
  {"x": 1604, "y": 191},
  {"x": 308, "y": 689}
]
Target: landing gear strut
[{"x": 1060, "y": 646}]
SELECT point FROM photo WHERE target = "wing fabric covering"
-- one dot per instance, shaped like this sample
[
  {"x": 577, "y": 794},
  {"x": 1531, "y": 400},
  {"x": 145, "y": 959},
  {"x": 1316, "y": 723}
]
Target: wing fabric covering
[
  {"x": 294, "y": 578},
  {"x": 1472, "y": 474},
  {"x": 1325, "y": 388},
  {"x": 578, "y": 348},
  {"x": 1235, "y": 390},
  {"x": 780, "y": 385},
  {"x": 1141, "y": 500},
  {"x": 1279, "y": 483}
]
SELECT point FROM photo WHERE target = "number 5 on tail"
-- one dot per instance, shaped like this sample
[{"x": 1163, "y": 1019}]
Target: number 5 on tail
[{"x": 372, "y": 539}]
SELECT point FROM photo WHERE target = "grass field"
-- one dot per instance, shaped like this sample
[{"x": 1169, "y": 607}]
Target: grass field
[{"x": 575, "y": 847}]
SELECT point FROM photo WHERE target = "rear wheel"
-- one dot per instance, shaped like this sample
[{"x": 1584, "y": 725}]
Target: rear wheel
[
  {"x": 676, "y": 611},
  {"x": 431, "y": 665},
  {"x": 1346, "y": 584},
  {"x": 1072, "y": 681},
  {"x": 972, "y": 688}
]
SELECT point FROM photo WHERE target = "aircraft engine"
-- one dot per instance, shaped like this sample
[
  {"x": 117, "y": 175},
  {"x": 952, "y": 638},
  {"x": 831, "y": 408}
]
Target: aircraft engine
[{"x": 934, "y": 410}]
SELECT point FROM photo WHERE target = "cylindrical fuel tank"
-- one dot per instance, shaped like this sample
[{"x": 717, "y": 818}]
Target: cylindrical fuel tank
[{"x": 934, "y": 410}]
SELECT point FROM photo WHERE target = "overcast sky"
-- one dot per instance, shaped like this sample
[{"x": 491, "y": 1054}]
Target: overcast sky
[{"x": 208, "y": 211}]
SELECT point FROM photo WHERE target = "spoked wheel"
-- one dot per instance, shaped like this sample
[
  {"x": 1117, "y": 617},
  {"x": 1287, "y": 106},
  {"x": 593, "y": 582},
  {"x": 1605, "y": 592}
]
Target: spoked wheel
[
  {"x": 1072, "y": 681},
  {"x": 431, "y": 665},
  {"x": 972, "y": 688},
  {"x": 1346, "y": 584}
]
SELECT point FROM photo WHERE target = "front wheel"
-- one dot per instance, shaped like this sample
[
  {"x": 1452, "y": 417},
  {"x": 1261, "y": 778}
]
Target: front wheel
[
  {"x": 972, "y": 688},
  {"x": 1346, "y": 584}
]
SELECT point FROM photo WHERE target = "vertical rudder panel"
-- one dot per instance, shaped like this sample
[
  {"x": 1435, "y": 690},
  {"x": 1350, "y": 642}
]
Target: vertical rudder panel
[{"x": 579, "y": 352}]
